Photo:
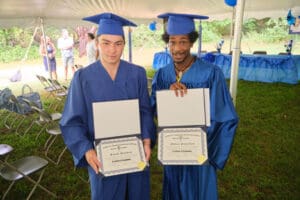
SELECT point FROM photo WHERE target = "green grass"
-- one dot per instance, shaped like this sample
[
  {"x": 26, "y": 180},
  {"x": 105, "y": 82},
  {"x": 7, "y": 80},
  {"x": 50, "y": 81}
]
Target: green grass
[{"x": 264, "y": 162}]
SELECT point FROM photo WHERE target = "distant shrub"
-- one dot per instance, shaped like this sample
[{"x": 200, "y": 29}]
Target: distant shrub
[
  {"x": 16, "y": 53},
  {"x": 275, "y": 30},
  {"x": 150, "y": 72},
  {"x": 222, "y": 27},
  {"x": 250, "y": 25},
  {"x": 144, "y": 37}
]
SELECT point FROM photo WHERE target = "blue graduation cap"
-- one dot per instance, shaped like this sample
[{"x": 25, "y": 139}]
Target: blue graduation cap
[
  {"x": 180, "y": 24},
  {"x": 109, "y": 23}
]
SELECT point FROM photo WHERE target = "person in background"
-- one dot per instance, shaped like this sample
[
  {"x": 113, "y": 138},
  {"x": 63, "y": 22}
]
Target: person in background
[
  {"x": 48, "y": 51},
  {"x": 195, "y": 182},
  {"x": 65, "y": 43},
  {"x": 107, "y": 79},
  {"x": 295, "y": 28},
  {"x": 92, "y": 52},
  {"x": 81, "y": 32}
]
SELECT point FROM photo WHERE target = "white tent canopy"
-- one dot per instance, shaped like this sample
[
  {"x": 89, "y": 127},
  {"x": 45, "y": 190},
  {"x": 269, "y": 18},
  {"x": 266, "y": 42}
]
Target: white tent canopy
[{"x": 70, "y": 12}]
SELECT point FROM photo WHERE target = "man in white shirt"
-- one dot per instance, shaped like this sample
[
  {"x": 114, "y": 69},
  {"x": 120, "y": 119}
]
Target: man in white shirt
[{"x": 65, "y": 43}]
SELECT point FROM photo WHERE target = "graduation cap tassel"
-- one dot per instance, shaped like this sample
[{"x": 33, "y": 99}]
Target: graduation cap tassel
[
  {"x": 200, "y": 40},
  {"x": 129, "y": 45}
]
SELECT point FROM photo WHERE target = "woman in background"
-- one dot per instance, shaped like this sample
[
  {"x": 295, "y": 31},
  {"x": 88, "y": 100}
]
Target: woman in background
[
  {"x": 91, "y": 49},
  {"x": 48, "y": 52}
]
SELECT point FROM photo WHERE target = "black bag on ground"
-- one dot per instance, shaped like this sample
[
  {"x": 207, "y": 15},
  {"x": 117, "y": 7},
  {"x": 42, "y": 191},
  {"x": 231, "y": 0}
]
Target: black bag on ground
[
  {"x": 32, "y": 97},
  {"x": 4, "y": 98}
]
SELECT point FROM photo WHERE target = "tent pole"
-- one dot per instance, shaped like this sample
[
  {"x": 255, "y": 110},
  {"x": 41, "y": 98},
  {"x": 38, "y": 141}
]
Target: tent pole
[
  {"x": 45, "y": 48},
  {"x": 236, "y": 49},
  {"x": 129, "y": 45},
  {"x": 30, "y": 44},
  {"x": 231, "y": 28},
  {"x": 200, "y": 40}
]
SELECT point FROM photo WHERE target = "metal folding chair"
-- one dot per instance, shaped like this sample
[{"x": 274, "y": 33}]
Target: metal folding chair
[
  {"x": 16, "y": 116},
  {"x": 283, "y": 53},
  {"x": 82, "y": 175},
  {"x": 60, "y": 93},
  {"x": 77, "y": 66},
  {"x": 3, "y": 114},
  {"x": 47, "y": 86},
  {"x": 9, "y": 119},
  {"x": 20, "y": 117},
  {"x": 6, "y": 120},
  {"x": 54, "y": 133},
  {"x": 43, "y": 120},
  {"x": 59, "y": 87},
  {"x": 53, "y": 130},
  {"x": 260, "y": 52},
  {"x": 22, "y": 168}
]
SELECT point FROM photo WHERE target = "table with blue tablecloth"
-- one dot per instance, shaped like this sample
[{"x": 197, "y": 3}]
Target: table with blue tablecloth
[{"x": 262, "y": 68}]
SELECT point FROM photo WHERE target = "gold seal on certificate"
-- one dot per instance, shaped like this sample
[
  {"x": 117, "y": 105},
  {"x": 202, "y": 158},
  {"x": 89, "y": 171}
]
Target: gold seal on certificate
[
  {"x": 121, "y": 156},
  {"x": 182, "y": 146}
]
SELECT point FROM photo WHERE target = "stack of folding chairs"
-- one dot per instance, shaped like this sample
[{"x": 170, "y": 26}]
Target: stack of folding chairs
[{"x": 54, "y": 89}]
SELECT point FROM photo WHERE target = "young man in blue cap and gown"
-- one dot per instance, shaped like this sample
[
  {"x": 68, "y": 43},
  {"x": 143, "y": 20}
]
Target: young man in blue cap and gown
[
  {"x": 192, "y": 182},
  {"x": 106, "y": 80}
]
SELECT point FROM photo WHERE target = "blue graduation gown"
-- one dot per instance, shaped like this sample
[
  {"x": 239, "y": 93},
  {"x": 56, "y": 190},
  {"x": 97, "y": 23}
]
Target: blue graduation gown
[
  {"x": 200, "y": 182},
  {"x": 93, "y": 84}
]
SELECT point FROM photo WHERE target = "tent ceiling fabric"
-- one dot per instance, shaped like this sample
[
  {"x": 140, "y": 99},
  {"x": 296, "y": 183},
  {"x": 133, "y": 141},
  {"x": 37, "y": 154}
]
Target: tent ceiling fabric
[{"x": 56, "y": 12}]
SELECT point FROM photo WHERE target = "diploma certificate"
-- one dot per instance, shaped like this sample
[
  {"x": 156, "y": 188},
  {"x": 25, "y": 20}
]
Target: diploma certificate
[
  {"x": 193, "y": 109},
  {"x": 116, "y": 118},
  {"x": 121, "y": 156},
  {"x": 182, "y": 146}
]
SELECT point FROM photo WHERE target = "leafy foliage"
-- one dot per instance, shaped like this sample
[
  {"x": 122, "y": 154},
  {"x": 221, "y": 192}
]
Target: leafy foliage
[
  {"x": 144, "y": 37},
  {"x": 274, "y": 30},
  {"x": 16, "y": 53},
  {"x": 221, "y": 28},
  {"x": 15, "y": 36},
  {"x": 209, "y": 33},
  {"x": 250, "y": 25},
  {"x": 14, "y": 42}
]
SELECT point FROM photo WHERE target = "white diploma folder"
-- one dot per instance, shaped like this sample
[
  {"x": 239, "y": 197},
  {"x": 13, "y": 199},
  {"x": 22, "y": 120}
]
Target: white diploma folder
[
  {"x": 116, "y": 118},
  {"x": 182, "y": 140},
  {"x": 117, "y": 127},
  {"x": 193, "y": 109}
]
